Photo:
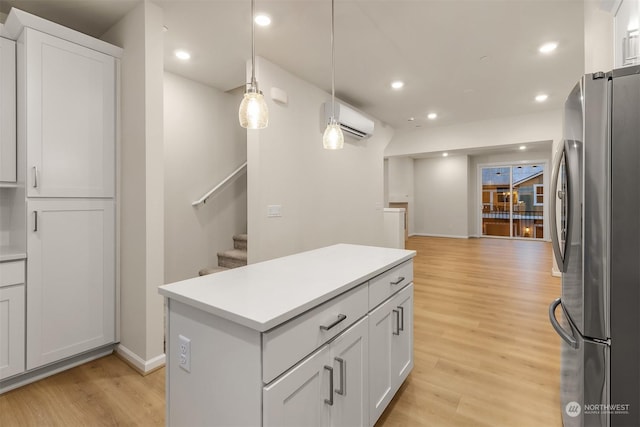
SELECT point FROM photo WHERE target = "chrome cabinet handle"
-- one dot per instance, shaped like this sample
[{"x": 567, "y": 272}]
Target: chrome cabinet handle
[
  {"x": 35, "y": 177},
  {"x": 341, "y": 317},
  {"x": 398, "y": 280},
  {"x": 397, "y": 313},
  {"x": 401, "y": 324},
  {"x": 329, "y": 401},
  {"x": 343, "y": 376},
  {"x": 35, "y": 220}
]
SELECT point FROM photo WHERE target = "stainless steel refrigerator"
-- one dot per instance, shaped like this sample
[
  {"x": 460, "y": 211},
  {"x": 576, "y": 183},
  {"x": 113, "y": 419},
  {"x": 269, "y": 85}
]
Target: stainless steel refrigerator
[{"x": 596, "y": 241}]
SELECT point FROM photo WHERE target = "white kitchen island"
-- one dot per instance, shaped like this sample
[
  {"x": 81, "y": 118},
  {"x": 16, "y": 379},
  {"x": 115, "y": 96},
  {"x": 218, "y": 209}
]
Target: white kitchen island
[{"x": 320, "y": 338}]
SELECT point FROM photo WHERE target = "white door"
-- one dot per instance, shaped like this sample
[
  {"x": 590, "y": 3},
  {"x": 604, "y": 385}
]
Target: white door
[
  {"x": 382, "y": 327},
  {"x": 71, "y": 278},
  {"x": 7, "y": 110},
  {"x": 402, "y": 346},
  {"x": 70, "y": 117},
  {"x": 299, "y": 398},
  {"x": 11, "y": 330},
  {"x": 351, "y": 376}
]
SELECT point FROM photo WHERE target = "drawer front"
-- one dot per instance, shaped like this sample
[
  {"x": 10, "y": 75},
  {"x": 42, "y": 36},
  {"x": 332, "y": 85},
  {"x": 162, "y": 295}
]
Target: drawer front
[
  {"x": 388, "y": 283},
  {"x": 285, "y": 345},
  {"x": 11, "y": 273}
]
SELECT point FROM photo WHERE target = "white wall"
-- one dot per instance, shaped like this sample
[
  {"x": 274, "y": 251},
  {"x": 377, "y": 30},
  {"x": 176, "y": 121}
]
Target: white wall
[
  {"x": 326, "y": 196},
  {"x": 542, "y": 154},
  {"x": 441, "y": 196},
  {"x": 141, "y": 185},
  {"x": 400, "y": 183},
  {"x": 598, "y": 38},
  {"x": 544, "y": 126},
  {"x": 203, "y": 143}
]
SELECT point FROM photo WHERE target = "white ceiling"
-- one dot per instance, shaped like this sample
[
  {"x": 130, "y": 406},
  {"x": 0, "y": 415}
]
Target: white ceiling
[{"x": 466, "y": 60}]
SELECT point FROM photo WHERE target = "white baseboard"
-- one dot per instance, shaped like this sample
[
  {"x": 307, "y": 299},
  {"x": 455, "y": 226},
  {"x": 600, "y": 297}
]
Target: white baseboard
[
  {"x": 141, "y": 365},
  {"x": 555, "y": 272},
  {"x": 450, "y": 236}
]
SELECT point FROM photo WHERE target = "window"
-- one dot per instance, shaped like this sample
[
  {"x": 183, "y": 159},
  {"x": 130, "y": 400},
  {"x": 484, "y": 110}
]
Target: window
[{"x": 538, "y": 191}]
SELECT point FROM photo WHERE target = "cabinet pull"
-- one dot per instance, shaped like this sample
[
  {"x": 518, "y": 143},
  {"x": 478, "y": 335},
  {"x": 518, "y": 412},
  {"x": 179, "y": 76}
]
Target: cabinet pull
[
  {"x": 35, "y": 177},
  {"x": 343, "y": 376},
  {"x": 398, "y": 280},
  {"x": 341, "y": 317},
  {"x": 397, "y": 313},
  {"x": 35, "y": 220},
  {"x": 329, "y": 401},
  {"x": 401, "y": 324}
]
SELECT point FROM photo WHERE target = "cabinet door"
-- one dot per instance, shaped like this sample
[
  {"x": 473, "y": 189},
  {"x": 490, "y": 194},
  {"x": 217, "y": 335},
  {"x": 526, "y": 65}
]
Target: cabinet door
[
  {"x": 298, "y": 398},
  {"x": 71, "y": 278},
  {"x": 11, "y": 330},
  {"x": 402, "y": 345},
  {"x": 7, "y": 110},
  {"x": 351, "y": 376},
  {"x": 626, "y": 34},
  {"x": 382, "y": 327},
  {"x": 70, "y": 117}
]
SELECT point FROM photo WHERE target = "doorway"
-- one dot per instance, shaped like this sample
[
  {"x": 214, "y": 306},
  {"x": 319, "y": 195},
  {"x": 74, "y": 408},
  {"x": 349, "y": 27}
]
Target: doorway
[{"x": 513, "y": 200}]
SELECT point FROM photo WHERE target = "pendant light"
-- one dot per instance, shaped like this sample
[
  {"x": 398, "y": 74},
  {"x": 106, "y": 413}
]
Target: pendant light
[
  {"x": 333, "y": 139},
  {"x": 253, "y": 113}
]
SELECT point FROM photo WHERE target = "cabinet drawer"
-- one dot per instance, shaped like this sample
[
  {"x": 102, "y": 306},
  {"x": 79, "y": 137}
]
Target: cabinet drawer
[
  {"x": 285, "y": 345},
  {"x": 11, "y": 273},
  {"x": 383, "y": 286}
]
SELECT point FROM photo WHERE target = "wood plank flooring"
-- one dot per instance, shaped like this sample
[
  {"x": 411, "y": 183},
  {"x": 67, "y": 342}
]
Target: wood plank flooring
[{"x": 485, "y": 354}]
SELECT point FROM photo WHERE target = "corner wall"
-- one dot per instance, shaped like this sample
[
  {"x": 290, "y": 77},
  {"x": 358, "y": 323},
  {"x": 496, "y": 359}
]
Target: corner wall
[
  {"x": 203, "y": 144},
  {"x": 141, "y": 185},
  {"x": 441, "y": 196},
  {"x": 326, "y": 197}
]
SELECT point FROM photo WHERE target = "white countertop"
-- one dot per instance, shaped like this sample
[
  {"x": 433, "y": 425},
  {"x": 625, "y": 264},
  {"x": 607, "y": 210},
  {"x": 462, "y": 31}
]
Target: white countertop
[{"x": 263, "y": 295}]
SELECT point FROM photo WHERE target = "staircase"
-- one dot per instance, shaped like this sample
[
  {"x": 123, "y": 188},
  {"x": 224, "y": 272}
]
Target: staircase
[{"x": 233, "y": 258}]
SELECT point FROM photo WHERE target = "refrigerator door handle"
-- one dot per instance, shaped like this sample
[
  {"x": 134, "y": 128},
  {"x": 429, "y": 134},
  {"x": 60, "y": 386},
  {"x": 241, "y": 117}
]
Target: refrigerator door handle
[
  {"x": 555, "y": 240},
  {"x": 556, "y": 325}
]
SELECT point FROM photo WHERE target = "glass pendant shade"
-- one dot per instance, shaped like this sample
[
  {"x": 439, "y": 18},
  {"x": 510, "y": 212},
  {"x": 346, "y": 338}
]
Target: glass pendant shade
[
  {"x": 253, "y": 113},
  {"x": 333, "y": 139}
]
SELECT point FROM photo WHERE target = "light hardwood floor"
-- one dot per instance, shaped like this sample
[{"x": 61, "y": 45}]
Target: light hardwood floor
[{"x": 485, "y": 354}]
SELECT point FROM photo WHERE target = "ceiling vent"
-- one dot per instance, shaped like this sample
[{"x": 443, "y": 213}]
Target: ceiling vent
[{"x": 351, "y": 122}]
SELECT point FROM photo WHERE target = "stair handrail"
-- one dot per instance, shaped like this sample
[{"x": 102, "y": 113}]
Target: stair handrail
[{"x": 210, "y": 193}]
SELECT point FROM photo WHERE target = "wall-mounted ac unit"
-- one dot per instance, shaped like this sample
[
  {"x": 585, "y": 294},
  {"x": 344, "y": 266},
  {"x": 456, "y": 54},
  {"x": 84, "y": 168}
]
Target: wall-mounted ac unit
[{"x": 351, "y": 122}]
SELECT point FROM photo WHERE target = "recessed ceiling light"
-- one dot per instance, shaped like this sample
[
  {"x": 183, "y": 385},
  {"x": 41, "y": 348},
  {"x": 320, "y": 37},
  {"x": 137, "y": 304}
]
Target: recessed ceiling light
[
  {"x": 548, "y": 47},
  {"x": 445, "y": 154},
  {"x": 411, "y": 119},
  {"x": 542, "y": 97},
  {"x": 523, "y": 147},
  {"x": 182, "y": 54},
  {"x": 263, "y": 20},
  {"x": 432, "y": 116},
  {"x": 397, "y": 84}
]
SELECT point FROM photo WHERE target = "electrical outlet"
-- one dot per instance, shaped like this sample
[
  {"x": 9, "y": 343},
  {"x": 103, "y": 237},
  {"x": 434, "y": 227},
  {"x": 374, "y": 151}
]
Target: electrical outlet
[{"x": 184, "y": 353}]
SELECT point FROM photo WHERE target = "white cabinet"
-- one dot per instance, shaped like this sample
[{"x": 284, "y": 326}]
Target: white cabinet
[
  {"x": 390, "y": 349},
  {"x": 71, "y": 272},
  {"x": 70, "y": 115},
  {"x": 626, "y": 34},
  {"x": 12, "y": 310},
  {"x": 305, "y": 340},
  {"x": 329, "y": 388},
  {"x": 7, "y": 111}
]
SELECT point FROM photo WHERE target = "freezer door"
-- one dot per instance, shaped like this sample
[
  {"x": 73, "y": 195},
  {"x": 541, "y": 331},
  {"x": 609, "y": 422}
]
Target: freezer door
[{"x": 584, "y": 376}]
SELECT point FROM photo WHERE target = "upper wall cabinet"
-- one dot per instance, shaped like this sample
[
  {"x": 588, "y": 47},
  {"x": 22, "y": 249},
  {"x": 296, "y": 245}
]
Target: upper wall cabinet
[
  {"x": 7, "y": 111},
  {"x": 70, "y": 108},
  {"x": 626, "y": 33}
]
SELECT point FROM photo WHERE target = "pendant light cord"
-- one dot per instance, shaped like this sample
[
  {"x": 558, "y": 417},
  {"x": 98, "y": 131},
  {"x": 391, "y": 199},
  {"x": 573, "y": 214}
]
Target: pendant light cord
[
  {"x": 253, "y": 47},
  {"x": 333, "y": 66}
]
